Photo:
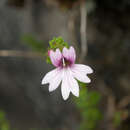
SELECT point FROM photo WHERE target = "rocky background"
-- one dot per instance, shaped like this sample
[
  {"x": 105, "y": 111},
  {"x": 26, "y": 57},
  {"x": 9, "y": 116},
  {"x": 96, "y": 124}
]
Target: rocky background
[{"x": 28, "y": 105}]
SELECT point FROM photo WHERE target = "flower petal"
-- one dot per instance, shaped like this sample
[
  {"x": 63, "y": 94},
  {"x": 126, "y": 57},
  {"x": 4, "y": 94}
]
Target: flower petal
[
  {"x": 55, "y": 57},
  {"x": 69, "y": 54},
  {"x": 65, "y": 90},
  {"x": 81, "y": 76},
  {"x": 83, "y": 68},
  {"x": 69, "y": 84},
  {"x": 73, "y": 85},
  {"x": 55, "y": 82},
  {"x": 50, "y": 75}
]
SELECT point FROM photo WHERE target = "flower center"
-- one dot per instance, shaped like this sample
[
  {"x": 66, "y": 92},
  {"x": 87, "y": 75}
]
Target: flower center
[{"x": 65, "y": 62}]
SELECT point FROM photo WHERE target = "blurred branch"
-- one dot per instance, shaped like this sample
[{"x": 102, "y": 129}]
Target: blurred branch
[
  {"x": 72, "y": 26},
  {"x": 110, "y": 105},
  {"x": 111, "y": 109},
  {"x": 84, "y": 48},
  {"x": 124, "y": 102},
  {"x": 104, "y": 89},
  {"x": 24, "y": 54},
  {"x": 73, "y": 15}
]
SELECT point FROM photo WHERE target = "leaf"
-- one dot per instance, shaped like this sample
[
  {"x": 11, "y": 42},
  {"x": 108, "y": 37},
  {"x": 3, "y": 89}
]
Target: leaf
[{"x": 35, "y": 44}]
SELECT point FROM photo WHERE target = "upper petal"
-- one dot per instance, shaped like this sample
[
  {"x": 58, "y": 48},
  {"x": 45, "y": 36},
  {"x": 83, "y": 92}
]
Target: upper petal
[
  {"x": 55, "y": 57},
  {"x": 50, "y": 76},
  {"x": 69, "y": 54}
]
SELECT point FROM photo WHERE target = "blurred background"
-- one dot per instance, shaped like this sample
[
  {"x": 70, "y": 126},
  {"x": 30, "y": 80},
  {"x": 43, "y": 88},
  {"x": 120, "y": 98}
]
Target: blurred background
[{"x": 99, "y": 30}]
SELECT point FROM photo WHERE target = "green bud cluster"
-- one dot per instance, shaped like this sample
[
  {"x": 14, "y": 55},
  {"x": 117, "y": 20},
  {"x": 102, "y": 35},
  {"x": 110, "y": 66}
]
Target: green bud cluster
[{"x": 56, "y": 42}]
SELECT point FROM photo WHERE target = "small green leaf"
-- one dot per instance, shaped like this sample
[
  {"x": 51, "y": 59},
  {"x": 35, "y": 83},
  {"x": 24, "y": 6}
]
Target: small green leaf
[
  {"x": 117, "y": 118},
  {"x": 35, "y": 44}
]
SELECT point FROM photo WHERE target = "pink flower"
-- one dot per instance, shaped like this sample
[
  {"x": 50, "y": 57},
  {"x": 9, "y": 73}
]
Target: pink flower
[{"x": 66, "y": 72}]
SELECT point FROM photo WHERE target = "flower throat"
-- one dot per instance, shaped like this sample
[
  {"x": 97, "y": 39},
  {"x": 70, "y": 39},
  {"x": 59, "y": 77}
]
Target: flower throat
[{"x": 65, "y": 62}]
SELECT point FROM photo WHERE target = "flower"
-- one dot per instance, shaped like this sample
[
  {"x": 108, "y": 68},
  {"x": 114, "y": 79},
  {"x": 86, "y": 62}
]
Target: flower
[{"x": 66, "y": 72}]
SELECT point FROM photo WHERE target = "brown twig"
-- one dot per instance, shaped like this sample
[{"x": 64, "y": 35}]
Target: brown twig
[
  {"x": 110, "y": 105},
  {"x": 111, "y": 108},
  {"x": 124, "y": 102},
  {"x": 72, "y": 26},
  {"x": 83, "y": 26},
  {"x": 17, "y": 53}
]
